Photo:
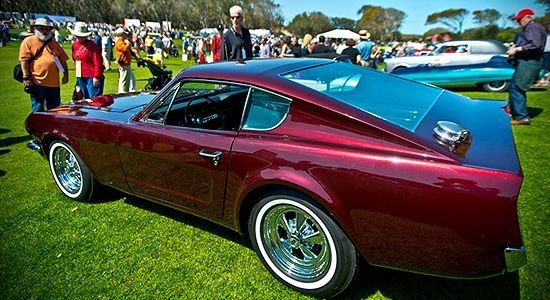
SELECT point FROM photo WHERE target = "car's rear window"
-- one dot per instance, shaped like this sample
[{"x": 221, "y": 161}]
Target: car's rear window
[{"x": 399, "y": 101}]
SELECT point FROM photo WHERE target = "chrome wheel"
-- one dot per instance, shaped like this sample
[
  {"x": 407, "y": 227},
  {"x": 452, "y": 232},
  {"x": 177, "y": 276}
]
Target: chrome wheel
[
  {"x": 295, "y": 242},
  {"x": 66, "y": 170},
  {"x": 301, "y": 245},
  {"x": 496, "y": 86},
  {"x": 69, "y": 172}
]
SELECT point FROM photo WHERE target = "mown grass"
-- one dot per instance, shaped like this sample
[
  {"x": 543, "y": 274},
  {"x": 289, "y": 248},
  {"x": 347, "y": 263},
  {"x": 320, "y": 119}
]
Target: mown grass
[{"x": 123, "y": 247}]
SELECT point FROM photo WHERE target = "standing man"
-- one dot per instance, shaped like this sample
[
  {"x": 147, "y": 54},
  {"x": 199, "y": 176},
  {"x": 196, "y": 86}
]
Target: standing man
[
  {"x": 41, "y": 70},
  {"x": 126, "y": 78},
  {"x": 106, "y": 49},
  {"x": 365, "y": 48},
  {"x": 236, "y": 43},
  {"x": 527, "y": 54}
]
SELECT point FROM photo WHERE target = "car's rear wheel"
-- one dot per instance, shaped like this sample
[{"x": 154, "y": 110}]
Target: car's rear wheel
[
  {"x": 496, "y": 86},
  {"x": 70, "y": 173},
  {"x": 301, "y": 245}
]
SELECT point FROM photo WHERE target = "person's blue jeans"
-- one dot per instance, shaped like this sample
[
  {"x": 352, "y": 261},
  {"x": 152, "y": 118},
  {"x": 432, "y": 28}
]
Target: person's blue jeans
[
  {"x": 44, "y": 98},
  {"x": 517, "y": 101},
  {"x": 87, "y": 87}
]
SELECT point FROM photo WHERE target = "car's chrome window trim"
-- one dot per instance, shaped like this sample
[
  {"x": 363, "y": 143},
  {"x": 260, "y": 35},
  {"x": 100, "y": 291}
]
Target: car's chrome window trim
[
  {"x": 280, "y": 121},
  {"x": 154, "y": 102}
]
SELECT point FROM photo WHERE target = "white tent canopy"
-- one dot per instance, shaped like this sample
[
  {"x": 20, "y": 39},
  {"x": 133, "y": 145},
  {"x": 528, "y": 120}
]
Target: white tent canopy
[{"x": 340, "y": 34}]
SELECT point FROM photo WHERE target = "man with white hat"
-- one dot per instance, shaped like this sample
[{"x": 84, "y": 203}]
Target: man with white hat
[
  {"x": 41, "y": 63},
  {"x": 88, "y": 64},
  {"x": 527, "y": 53},
  {"x": 126, "y": 78}
]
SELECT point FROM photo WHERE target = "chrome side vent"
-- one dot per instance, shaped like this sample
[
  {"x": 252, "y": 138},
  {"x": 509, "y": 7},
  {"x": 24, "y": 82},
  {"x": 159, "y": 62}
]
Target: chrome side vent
[{"x": 453, "y": 136}]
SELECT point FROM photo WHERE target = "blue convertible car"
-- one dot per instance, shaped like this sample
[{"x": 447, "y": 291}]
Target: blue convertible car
[{"x": 492, "y": 76}]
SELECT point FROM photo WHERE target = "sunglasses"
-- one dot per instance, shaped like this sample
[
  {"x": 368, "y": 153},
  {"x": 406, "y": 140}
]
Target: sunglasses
[
  {"x": 42, "y": 28},
  {"x": 235, "y": 17}
]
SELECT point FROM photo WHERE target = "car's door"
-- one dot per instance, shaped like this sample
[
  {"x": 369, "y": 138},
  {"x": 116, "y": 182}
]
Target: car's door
[{"x": 178, "y": 152}]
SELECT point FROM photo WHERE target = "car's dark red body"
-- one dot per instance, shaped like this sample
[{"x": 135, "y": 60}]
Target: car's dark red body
[{"x": 404, "y": 201}]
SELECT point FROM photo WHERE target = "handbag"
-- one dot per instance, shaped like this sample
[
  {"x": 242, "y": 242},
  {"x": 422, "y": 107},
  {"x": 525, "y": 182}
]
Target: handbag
[{"x": 18, "y": 71}]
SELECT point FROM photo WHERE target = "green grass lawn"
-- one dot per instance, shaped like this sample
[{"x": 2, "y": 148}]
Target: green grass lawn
[{"x": 53, "y": 248}]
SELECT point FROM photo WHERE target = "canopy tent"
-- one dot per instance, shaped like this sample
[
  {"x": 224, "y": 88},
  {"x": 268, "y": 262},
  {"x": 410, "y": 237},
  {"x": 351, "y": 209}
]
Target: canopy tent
[{"x": 340, "y": 34}]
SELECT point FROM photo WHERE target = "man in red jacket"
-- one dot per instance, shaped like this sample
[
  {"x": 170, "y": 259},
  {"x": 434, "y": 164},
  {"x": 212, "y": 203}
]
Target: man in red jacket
[{"x": 88, "y": 64}]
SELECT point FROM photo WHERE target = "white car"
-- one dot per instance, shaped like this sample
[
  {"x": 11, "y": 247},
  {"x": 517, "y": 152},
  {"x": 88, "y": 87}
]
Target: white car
[{"x": 451, "y": 53}]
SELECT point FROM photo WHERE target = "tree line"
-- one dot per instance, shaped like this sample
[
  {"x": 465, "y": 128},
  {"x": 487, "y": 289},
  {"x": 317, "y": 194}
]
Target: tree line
[
  {"x": 191, "y": 14},
  {"x": 383, "y": 23}
]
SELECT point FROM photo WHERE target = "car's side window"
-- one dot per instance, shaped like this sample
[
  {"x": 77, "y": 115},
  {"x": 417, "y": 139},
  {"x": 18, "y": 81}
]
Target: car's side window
[
  {"x": 207, "y": 105},
  {"x": 158, "y": 114},
  {"x": 266, "y": 110}
]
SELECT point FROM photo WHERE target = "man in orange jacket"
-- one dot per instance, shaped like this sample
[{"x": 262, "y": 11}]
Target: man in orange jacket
[{"x": 126, "y": 78}]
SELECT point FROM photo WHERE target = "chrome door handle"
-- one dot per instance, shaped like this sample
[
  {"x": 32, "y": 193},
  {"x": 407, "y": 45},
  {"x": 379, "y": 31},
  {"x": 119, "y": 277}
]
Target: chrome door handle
[{"x": 214, "y": 157}]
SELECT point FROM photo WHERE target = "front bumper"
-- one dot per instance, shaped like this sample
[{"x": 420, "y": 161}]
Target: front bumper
[
  {"x": 33, "y": 145},
  {"x": 515, "y": 258}
]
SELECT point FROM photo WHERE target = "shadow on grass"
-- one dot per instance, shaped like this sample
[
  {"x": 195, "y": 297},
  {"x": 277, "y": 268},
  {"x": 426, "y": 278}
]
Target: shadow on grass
[
  {"x": 2, "y": 173},
  {"x": 371, "y": 280},
  {"x": 4, "y": 130},
  {"x": 4, "y": 151},
  {"x": 190, "y": 220},
  {"x": 534, "y": 111},
  {"x": 404, "y": 285},
  {"x": 14, "y": 140}
]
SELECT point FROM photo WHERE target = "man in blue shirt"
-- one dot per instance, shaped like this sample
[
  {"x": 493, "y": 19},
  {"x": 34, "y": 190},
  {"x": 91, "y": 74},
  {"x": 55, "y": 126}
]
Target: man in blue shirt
[
  {"x": 365, "y": 48},
  {"x": 527, "y": 53}
]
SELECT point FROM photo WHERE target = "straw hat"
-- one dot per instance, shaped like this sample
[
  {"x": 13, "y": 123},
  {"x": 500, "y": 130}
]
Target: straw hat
[
  {"x": 27, "y": 33},
  {"x": 364, "y": 35},
  {"x": 80, "y": 30},
  {"x": 42, "y": 22},
  {"x": 120, "y": 31}
]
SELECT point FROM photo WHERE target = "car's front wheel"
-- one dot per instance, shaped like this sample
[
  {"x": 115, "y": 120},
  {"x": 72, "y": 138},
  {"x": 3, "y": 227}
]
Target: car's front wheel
[
  {"x": 301, "y": 245},
  {"x": 496, "y": 86},
  {"x": 70, "y": 173}
]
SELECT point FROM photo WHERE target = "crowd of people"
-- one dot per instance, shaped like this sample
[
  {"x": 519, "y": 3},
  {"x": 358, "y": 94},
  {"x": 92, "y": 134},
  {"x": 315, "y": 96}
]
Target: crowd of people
[{"x": 95, "y": 46}]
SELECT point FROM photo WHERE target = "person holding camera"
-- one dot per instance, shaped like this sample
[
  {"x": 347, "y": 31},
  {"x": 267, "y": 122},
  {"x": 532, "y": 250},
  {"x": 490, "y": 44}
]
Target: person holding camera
[
  {"x": 126, "y": 78},
  {"x": 42, "y": 60}
]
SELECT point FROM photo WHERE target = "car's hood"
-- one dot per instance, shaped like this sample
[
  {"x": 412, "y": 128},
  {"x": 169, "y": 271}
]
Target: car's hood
[
  {"x": 118, "y": 107},
  {"x": 492, "y": 143},
  {"x": 125, "y": 102}
]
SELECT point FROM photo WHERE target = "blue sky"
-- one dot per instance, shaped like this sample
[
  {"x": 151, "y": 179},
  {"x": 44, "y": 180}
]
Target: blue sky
[{"x": 417, "y": 10}]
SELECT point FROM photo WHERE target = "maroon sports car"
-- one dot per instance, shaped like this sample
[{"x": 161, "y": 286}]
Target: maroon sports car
[{"x": 320, "y": 162}]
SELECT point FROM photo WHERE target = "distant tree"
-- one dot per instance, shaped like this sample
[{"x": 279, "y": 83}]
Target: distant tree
[
  {"x": 452, "y": 18},
  {"x": 545, "y": 3},
  {"x": 382, "y": 23},
  {"x": 313, "y": 23},
  {"x": 343, "y": 23},
  {"x": 506, "y": 35},
  {"x": 434, "y": 31},
  {"x": 486, "y": 16},
  {"x": 486, "y": 32}
]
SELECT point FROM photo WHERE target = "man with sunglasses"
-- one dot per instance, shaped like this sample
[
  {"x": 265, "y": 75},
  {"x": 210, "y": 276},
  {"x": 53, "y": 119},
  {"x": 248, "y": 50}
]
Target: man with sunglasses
[
  {"x": 527, "y": 53},
  {"x": 236, "y": 43}
]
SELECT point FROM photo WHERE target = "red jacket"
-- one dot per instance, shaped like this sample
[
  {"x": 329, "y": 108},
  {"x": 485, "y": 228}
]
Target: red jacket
[
  {"x": 90, "y": 56},
  {"x": 216, "y": 47}
]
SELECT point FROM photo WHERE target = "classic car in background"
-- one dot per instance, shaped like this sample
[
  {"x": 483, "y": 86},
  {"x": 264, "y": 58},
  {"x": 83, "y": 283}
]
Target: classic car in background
[
  {"x": 492, "y": 76},
  {"x": 451, "y": 53},
  {"x": 319, "y": 162}
]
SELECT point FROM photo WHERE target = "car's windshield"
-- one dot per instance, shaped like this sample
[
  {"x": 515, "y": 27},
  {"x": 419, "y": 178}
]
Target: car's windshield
[{"x": 391, "y": 98}]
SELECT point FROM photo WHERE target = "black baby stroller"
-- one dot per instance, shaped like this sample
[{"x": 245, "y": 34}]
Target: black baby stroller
[{"x": 161, "y": 76}]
